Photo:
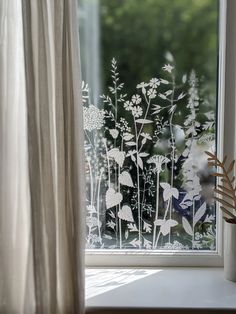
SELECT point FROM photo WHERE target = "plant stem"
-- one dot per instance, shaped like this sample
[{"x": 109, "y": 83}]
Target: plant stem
[
  {"x": 157, "y": 208},
  {"x": 108, "y": 164},
  {"x": 91, "y": 192},
  {"x": 86, "y": 133},
  {"x": 120, "y": 229},
  {"x": 172, "y": 146},
  {"x": 144, "y": 190},
  {"x": 98, "y": 205},
  {"x": 137, "y": 134},
  {"x": 145, "y": 116},
  {"x": 116, "y": 177},
  {"x": 138, "y": 187},
  {"x": 193, "y": 237},
  {"x": 120, "y": 222},
  {"x": 91, "y": 181},
  {"x": 159, "y": 233}
]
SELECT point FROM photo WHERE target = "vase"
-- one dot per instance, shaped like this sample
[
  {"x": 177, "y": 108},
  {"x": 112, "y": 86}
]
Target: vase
[{"x": 230, "y": 249}]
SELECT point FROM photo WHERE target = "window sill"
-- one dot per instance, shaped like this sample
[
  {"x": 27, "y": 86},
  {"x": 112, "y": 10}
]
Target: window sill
[{"x": 159, "y": 290}]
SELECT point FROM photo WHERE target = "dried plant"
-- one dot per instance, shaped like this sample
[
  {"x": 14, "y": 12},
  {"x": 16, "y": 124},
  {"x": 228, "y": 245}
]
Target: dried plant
[{"x": 226, "y": 188}]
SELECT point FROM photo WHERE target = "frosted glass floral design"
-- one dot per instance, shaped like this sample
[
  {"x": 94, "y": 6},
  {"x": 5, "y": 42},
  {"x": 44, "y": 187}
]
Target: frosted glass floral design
[
  {"x": 93, "y": 118},
  {"x": 146, "y": 171}
]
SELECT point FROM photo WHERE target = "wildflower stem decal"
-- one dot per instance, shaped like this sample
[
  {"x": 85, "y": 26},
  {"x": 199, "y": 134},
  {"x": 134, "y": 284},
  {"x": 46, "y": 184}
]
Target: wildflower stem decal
[
  {"x": 143, "y": 175},
  {"x": 172, "y": 139}
]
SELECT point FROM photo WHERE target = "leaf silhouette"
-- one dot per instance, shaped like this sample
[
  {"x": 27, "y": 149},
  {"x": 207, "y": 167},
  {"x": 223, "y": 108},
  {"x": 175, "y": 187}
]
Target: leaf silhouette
[
  {"x": 140, "y": 162},
  {"x": 188, "y": 229},
  {"x": 143, "y": 154},
  {"x": 113, "y": 198},
  {"x": 130, "y": 143},
  {"x": 114, "y": 133},
  {"x": 118, "y": 156},
  {"x": 135, "y": 243},
  {"x": 144, "y": 121},
  {"x": 125, "y": 179},
  {"x": 132, "y": 227},
  {"x": 169, "y": 191},
  {"x": 182, "y": 95},
  {"x": 125, "y": 213},
  {"x": 200, "y": 212},
  {"x": 165, "y": 185},
  {"x": 165, "y": 227},
  {"x": 128, "y": 136}
]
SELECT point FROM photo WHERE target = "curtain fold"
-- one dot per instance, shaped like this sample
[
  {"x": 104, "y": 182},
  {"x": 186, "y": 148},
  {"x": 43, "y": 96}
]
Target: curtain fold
[
  {"x": 16, "y": 268},
  {"x": 54, "y": 162}
]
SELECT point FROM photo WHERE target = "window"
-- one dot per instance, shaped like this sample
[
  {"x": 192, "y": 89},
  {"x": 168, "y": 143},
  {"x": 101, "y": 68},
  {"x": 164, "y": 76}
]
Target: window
[{"x": 150, "y": 93}]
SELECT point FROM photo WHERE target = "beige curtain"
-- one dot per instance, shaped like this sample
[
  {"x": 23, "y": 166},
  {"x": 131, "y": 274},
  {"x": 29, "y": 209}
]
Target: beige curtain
[
  {"x": 16, "y": 276},
  {"x": 41, "y": 158}
]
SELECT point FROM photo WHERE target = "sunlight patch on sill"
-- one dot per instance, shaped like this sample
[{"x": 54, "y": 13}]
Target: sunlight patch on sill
[{"x": 101, "y": 280}]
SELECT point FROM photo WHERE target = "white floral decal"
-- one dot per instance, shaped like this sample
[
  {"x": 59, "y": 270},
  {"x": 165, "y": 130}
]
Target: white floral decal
[
  {"x": 93, "y": 118},
  {"x": 144, "y": 164}
]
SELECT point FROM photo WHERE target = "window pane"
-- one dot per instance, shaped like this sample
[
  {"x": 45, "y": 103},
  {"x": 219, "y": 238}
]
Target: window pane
[{"x": 150, "y": 86}]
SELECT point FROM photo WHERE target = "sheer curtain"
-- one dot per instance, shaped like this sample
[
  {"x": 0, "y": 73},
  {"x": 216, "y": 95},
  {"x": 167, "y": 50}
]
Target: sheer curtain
[{"x": 41, "y": 158}]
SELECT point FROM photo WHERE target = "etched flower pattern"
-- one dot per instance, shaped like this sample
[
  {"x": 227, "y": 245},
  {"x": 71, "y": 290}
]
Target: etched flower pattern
[
  {"x": 128, "y": 105},
  {"x": 152, "y": 93},
  {"x": 143, "y": 165},
  {"x": 93, "y": 118},
  {"x": 158, "y": 161},
  {"x": 136, "y": 99},
  {"x": 168, "y": 68},
  {"x": 154, "y": 82},
  {"x": 137, "y": 111}
]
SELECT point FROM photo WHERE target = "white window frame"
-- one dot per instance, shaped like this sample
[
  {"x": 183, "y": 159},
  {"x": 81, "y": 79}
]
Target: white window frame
[{"x": 225, "y": 146}]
